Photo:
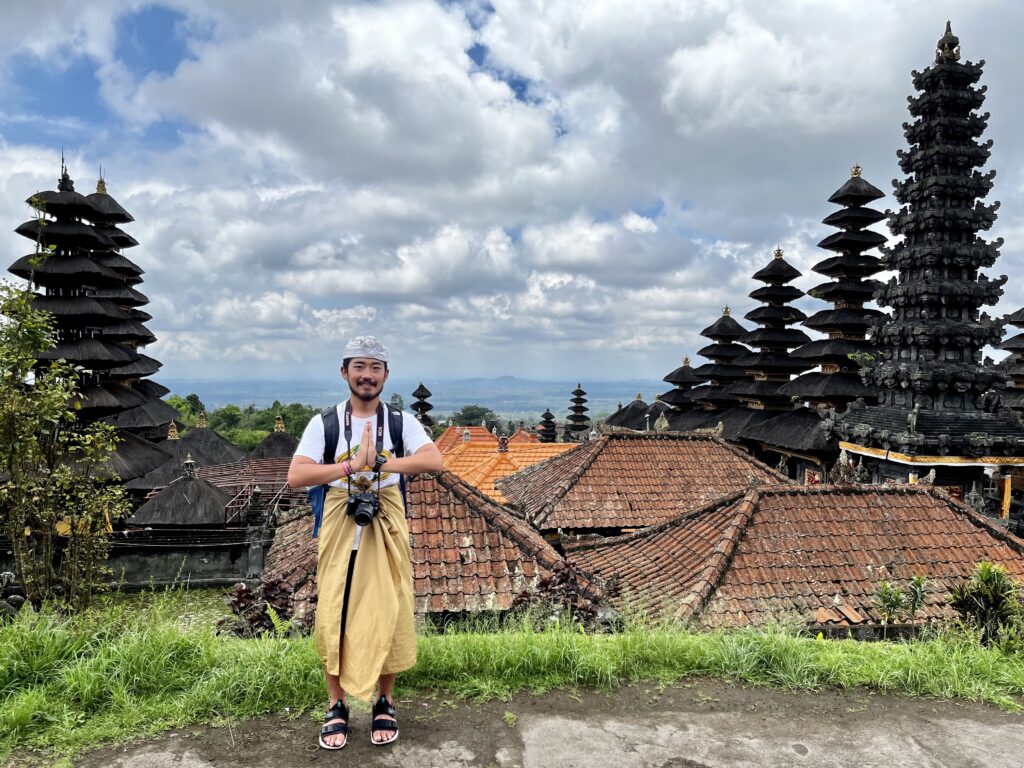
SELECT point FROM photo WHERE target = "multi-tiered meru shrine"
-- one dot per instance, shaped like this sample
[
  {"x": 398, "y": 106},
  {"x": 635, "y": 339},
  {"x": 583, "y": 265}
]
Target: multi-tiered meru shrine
[
  {"x": 82, "y": 278},
  {"x": 936, "y": 408}
]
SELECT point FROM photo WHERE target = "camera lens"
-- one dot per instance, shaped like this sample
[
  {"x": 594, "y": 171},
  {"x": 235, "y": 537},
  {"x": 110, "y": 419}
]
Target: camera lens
[{"x": 364, "y": 513}]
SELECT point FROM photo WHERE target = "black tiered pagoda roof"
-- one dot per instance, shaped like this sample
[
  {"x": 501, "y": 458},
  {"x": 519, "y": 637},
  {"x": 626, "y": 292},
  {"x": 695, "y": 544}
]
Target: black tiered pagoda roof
[
  {"x": 1013, "y": 365},
  {"x": 772, "y": 366},
  {"x": 928, "y": 373},
  {"x": 837, "y": 381},
  {"x": 87, "y": 285}
]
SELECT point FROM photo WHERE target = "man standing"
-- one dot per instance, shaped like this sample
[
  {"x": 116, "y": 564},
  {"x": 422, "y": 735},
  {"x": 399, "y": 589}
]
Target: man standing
[{"x": 365, "y": 631}]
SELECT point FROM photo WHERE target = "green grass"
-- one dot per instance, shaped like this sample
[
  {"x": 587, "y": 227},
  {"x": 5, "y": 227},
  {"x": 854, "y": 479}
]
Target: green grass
[{"x": 122, "y": 671}]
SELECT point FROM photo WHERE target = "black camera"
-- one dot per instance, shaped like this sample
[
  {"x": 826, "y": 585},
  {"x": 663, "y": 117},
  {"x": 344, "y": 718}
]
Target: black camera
[{"x": 363, "y": 507}]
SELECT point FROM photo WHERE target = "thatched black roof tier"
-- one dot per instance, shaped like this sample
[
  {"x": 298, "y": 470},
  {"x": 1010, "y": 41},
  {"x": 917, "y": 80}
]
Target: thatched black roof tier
[
  {"x": 1016, "y": 318},
  {"x": 736, "y": 420},
  {"x": 129, "y": 330},
  {"x": 776, "y": 337},
  {"x": 849, "y": 265},
  {"x": 855, "y": 192},
  {"x": 150, "y": 388},
  {"x": 138, "y": 314},
  {"x": 109, "y": 210},
  {"x": 683, "y": 375},
  {"x": 777, "y": 272},
  {"x": 185, "y": 503},
  {"x": 63, "y": 271},
  {"x": 854, "y": 241},
  {"x": 722, "y": 352},
  {"x": 212, "y": 446},
  {"x": 856, "y": 217},
  {"x": 1012, "y": 397},
  {"x": 143, "y": 366},
  {"x": 720, "y": 372},
  {"x": 1012, "y": 344},
  {"x": 724, "y": 328},
  {"x": 839, "y": 387},
  {"x": 122, "y": 295},
  {"x": 178, "y": 451},
  {"x": 690, "y": 420},
  {"x": 120, "y": 264},
  {"x": 654, "y": 412},
  {"x": 629, "y": 416},
  {"x": 65, "y": 235},
  {"x": 151, "y": 415},
  {"x": 796, "y": 430},
  {"x": 755, "y": 389},
  {"x": 853, "y": 291},
  {"x": 773, "y": 362},
  {"x": 712, "y": 394},
  {"x": 91, "y": 353},
  {"x": 678, "y": 398},
  {"x": 118, "y": 237},
  {"x": 133, "y": 457},
  {"x": 64, "y": 202},
  {"x": 80, "y": 309},
  {"x": 276, "y": 445},
  {"x": 107, "y": 398},
  {"x": 832, "y": 350},
  {"x": 776, "y": 294},
  {"x": 839, "y": 320},
  {"x": 421, "y": 391},
  {"x": 771, "y": 314}
]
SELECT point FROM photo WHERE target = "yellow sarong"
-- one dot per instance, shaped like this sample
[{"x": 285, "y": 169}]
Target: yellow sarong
[{"x": 380, "y": 632}]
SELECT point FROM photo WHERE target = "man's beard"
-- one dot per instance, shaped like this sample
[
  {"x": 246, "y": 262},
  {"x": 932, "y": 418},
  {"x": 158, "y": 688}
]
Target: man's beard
[{"x": 365, "y": 398}]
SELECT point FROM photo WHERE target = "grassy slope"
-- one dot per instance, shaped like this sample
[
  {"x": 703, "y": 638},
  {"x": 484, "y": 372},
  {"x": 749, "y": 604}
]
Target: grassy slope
[{"x": 121, "y": 672}]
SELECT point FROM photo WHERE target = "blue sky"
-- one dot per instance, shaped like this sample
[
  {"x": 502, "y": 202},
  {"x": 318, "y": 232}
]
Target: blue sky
[{"x": 543, "y": 190}]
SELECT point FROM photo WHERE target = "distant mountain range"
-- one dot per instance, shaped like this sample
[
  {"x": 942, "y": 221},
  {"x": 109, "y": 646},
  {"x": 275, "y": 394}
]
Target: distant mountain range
[{"x": 508, "y": 396}]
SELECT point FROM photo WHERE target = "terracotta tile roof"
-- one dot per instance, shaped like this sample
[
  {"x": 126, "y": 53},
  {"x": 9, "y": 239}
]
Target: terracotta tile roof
[
  {"x": 522, "y": 436},
  {"x": 240, "y": 478},
  {"x": 482, "y": 464},
  {"x": 454, "y": 436},
  {"x": 631, "y": 480},
  {"x": 815, "y": 553},
  {"x": 469, "y": 554}
]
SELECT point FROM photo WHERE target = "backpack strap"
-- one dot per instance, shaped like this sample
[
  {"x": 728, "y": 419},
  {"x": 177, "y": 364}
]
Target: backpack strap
[
  {"x": 397, "y": 446},
  {"x": 395, "y": 431},
  {"x": 332, "y": 430},
  {"x": 318, "y": 494}
]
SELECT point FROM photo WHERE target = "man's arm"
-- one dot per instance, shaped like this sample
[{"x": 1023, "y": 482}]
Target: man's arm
[
  {"x": 303, "y": 472},
  {"x": 426, "y": 459}
]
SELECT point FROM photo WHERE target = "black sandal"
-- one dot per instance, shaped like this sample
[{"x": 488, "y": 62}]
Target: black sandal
[
  {"x": 383, "y": 707},
  {"x": 337, "y": 711}
]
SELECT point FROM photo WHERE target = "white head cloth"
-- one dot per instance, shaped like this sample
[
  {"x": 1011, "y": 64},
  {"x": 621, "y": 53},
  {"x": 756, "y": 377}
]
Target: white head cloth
[{"x": 366, "y": 346}]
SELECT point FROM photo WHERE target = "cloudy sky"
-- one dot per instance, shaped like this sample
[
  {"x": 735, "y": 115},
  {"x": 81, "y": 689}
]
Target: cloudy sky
[{"x": 543, "y": 189}]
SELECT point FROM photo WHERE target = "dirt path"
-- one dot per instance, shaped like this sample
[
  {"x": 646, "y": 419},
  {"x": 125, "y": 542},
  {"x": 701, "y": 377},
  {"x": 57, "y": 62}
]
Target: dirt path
[{"x": 702, "y": 724}]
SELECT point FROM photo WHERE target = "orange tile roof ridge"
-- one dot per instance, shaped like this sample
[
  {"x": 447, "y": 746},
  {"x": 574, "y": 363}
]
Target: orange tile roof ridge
[
  {"x": 487, "y": 507},
  {"x": 713, "y": 573},
  {"x": 563, "y": 487},
  {"x": 509, "y": 482},
  {"x": 587, "y": 541}
]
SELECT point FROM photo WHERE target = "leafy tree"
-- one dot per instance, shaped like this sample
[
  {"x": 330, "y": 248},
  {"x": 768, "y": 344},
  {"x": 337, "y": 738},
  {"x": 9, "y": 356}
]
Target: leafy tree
[
  {"x": 228, "y": 417},
  {"x": 195, "y": 405},
  {"x": 55, "y": 503},
  {"x": 474, "y": 415}
]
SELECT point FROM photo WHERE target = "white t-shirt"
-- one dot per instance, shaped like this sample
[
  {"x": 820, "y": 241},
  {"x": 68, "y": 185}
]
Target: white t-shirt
[{"x": 312, "y": 445}]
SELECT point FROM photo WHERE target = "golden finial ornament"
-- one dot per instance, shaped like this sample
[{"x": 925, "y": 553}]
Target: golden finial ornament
[
  {"x": 201, "y": 422},
  {"x": 639, "y": 396},
  {"x": 101, "y": 186},
  {"x": 686, "y": 361},
  {"x": 725, "y": 311},
  {"x": 856, "y": 171},
  {"x": 778, "y": 252},
  {"x": 279, "y": 423},
  {"x": 172, "y": 432}
]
